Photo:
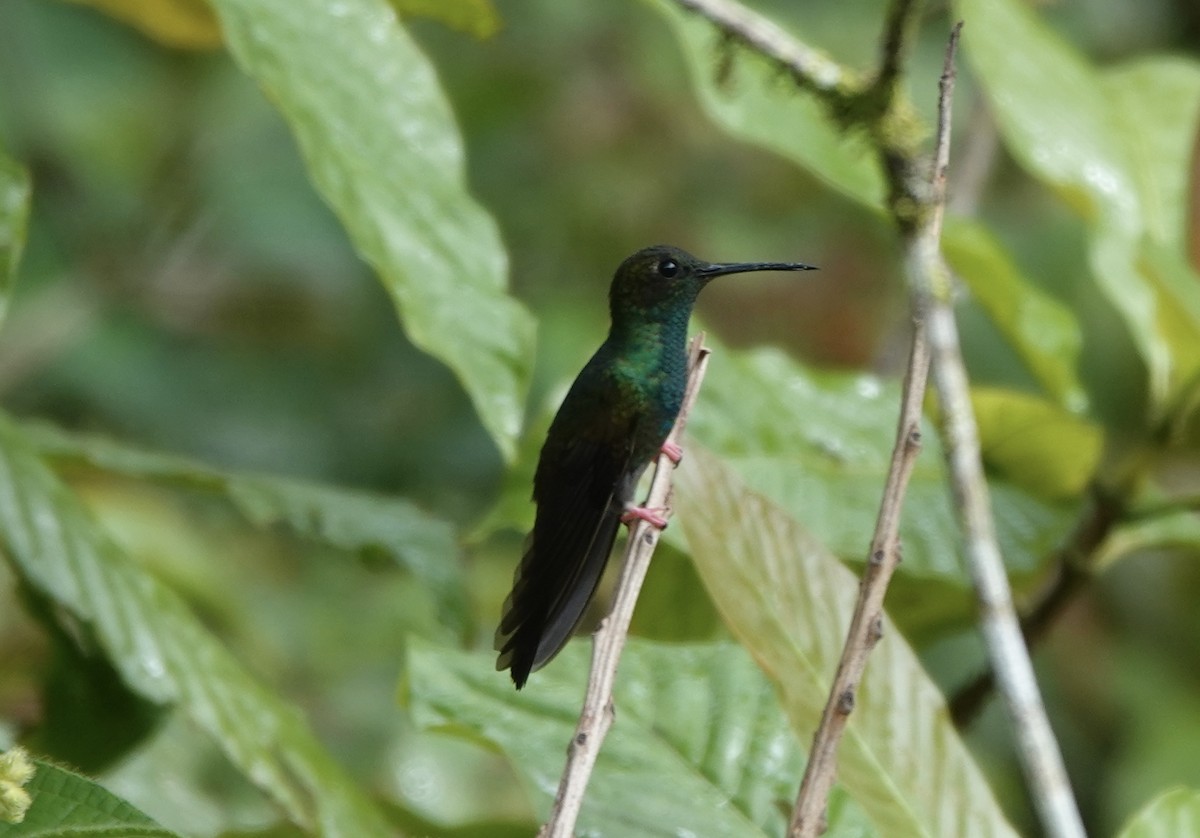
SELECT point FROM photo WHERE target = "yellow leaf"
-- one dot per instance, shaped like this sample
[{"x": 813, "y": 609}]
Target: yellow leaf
[
  {"x": 477, "y": 18},
  {"x": 1035, "y": 443},
  {"x": 184, "y": 24}
]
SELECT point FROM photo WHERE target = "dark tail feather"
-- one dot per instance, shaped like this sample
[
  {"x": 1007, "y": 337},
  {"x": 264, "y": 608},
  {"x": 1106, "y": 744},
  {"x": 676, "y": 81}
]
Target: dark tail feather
[{"x": 547, "y": 603}]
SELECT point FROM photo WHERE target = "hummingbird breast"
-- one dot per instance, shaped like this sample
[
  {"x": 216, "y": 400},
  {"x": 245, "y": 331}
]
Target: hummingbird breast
[{"x": 649, "y": 377}]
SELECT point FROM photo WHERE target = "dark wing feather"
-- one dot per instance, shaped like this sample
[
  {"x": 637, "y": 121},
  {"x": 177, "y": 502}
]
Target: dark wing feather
[{"x": 581, "y": 489}]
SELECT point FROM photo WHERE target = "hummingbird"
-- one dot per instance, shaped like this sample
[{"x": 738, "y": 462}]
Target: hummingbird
[{"x": 614, "y": 420}]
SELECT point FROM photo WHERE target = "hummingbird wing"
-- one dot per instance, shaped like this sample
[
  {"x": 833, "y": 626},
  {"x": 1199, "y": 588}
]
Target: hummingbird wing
[{"x": 581, "y": 489}]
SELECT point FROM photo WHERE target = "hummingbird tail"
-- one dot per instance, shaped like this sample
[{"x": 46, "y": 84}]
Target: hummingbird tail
[{"x": 543, "y": 610}]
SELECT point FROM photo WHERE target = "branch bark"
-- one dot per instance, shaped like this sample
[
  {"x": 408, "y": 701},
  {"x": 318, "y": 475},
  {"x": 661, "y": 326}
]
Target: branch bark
[
  {"x": 597, "y": 714},
  {"x": 922, "y": 263},
  {"x": 1045, "y": 774}
]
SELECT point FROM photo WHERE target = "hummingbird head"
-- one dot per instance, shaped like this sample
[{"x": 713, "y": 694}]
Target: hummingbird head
[{"x": 663, "y": 281}]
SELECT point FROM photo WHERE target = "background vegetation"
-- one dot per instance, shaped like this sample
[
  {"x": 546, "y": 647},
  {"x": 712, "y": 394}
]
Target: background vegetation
[{"x": 298, "y": 287}]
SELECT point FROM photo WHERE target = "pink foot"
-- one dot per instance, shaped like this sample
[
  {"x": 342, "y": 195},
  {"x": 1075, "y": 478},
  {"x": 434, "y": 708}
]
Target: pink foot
[
  {"x": 653, "y": 517},
  {"x": 674, "y": 452}
]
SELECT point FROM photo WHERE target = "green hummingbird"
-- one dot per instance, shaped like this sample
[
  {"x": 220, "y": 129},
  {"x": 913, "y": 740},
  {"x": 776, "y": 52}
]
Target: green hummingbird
[{"x": 612, "y": 423}]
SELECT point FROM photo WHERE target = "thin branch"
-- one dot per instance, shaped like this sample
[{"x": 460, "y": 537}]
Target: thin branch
[
  {"x": 597, "y": 714},
  {"x": 809, "y": 68},
  {"x": 1074, "y": 561},
  {"x": 1045, "y": 775},
  {"x": 921, "y": 261},
  {"x": 866, "y": 624},
  {"x": 897, "y": 37}
]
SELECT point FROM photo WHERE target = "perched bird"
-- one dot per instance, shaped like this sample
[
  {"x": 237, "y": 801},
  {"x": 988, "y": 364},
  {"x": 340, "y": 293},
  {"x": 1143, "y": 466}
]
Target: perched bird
[{"x": 612, "y": 423}]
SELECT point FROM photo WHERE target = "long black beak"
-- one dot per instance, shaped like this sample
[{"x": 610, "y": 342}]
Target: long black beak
[{"x": 713, "y": 271}]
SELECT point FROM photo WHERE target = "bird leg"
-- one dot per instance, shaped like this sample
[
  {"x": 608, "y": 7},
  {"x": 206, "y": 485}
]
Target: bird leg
[
  {"x": 653, "y": 517},
  {"x": 673, "y": 451}
]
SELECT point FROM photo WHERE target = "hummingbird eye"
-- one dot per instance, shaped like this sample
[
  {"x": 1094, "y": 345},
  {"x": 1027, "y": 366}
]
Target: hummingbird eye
[{"x": 668, "y": 268}]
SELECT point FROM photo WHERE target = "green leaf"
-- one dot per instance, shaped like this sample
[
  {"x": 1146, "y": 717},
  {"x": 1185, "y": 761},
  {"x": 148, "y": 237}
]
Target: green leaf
[
  {"x": 15, "y": 192},
  {"x": 162, "y": 651},
  {"x": 347, "y": 519},
  {"x": 1036, "y": 444},
  {"x": 698, "y": 725},
  {"x": 1159, "y": 131},
  {"x": 68, "y": 804},
  {"x": 1043, "y": 331},
  {"x": 757, "y": 102},
  {"x": 477, "y": 18},
  {"x": 1173, "y": 813},
  {"x": 382, "y": 148},
  {"x": 1114, "y": 154},
  {"x": 819, "y": 444},
  {"x": 673, "y": 605},
  {"x": 1179, "y": 528},
  {"x": 789, "y": 601},
  {"x": 187, "y": 24}
]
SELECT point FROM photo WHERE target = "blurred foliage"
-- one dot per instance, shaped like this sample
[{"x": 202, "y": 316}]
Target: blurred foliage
[{"x": 272, "y": 409}]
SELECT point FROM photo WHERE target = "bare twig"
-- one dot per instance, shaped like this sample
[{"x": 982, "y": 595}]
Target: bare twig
[
  {"x": 1074, "y": 561},
  {"x": 898, "y": 31},
  {"x": 1045, "y": 775},
  {"x": 597, "y": 715},
  {"x": 922, "y": 258},
  {"x": 866, "y": 624},
  {"x": 809, "y": 68}
]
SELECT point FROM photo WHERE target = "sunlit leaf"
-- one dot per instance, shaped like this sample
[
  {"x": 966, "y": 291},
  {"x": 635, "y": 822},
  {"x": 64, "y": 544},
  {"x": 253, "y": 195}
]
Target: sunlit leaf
[
  {"x": 188, "y": 24},
  {"x": 1116, "y": 155},
  {"x": 348, "y": 519},
  {"x": 1172, "y": 814},
  {"x": 1036, "y": 444},
  {"x": 478, "y": 18},
  {"x": 382, "y": 148},
  {"x": 1158, "y": 132},
  {"x": 162, "y": 651},
  {"x": 758, "y": 102},
  {"x": 65, "y": 803},
  {"x": 1043, "y": 331},
  {"x": 789, "y": 600},
  {"x": 699, "y": 725},
  {"x": 15, "y": 190}
]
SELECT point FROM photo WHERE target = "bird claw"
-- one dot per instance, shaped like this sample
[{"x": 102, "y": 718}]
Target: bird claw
[
  {"x": 653, "y": 517},
  {"x": 673, "y": 451}
]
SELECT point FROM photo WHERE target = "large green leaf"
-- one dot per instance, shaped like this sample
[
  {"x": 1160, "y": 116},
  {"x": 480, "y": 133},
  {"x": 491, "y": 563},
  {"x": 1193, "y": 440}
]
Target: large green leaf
[
  {"x": 789, "y": 601},
  {"x": 1113, "y": 146},
  {"x": 751, "y": 97},
  {"x": 348, "y": 519},
  {"x": 15, "y": 191},
  {"x": 1043, "y": 331},
  {"x": 381, "y": 145},
  {"x": 162, "y": 651},
  {"x": 699, "y": 747},
  {"x": 820, "y": 445},
  {"x": 67, "y": 804},
  {"x": 1172, "y": 814}
]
